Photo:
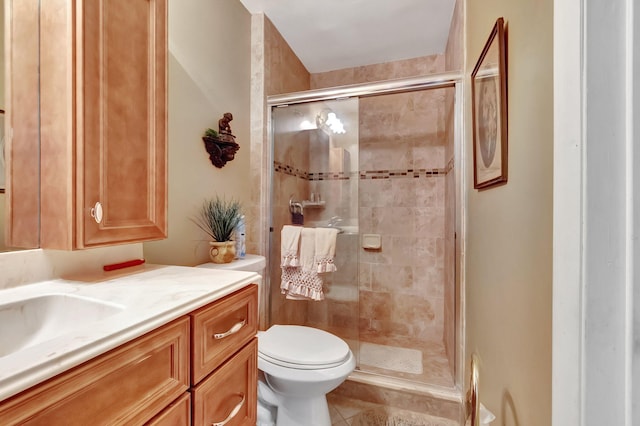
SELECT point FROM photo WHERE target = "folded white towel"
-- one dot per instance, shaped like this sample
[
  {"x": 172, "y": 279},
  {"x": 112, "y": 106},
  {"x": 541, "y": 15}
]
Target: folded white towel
[
  {"x": 325, "y": 249},
  {"x": 289, "y": 245},
  {"x": 303, "y": 282}
]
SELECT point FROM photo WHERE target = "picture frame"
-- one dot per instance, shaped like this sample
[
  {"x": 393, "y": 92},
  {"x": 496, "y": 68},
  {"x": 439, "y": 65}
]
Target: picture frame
[
  {"x": 3, "y": 167},
  {"x": 489, "y": 112}
]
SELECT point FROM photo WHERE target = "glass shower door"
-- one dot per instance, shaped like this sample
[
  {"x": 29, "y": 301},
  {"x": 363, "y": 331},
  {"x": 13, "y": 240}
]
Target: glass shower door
[{"x": 315, "y": 181}]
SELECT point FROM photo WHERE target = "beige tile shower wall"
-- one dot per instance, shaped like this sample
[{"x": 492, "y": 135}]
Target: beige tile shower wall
[
  {"x": 339, "y": 313},
  {"x": 454, "y": 53},
  {"x": 339, "y": 189},
  {"x": 275, "y": 69},
  {"x": 402, "y": 286},
  {"x": 386, "y": 71},
  {"x": 291, "y": 149},
  {"x": 284, "y": 71}
]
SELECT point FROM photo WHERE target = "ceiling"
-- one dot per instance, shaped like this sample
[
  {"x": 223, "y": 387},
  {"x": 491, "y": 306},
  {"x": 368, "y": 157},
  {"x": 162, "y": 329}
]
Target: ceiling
[{"x": 334, "y": 34}]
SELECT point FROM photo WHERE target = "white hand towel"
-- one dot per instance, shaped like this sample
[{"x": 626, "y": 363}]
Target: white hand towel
[
  {"x": 307, "y": 248},
  {"x": 303, "y": 282},
  {"x": 289, "y": 245},
  {"x": 325, "y": 249}
]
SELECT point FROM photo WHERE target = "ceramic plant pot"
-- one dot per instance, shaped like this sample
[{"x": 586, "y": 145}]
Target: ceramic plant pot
[{"x": 223, "y": 252}]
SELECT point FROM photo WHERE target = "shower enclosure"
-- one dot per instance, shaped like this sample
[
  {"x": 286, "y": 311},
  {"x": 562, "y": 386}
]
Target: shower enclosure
[{"x": 377, "y": 162}]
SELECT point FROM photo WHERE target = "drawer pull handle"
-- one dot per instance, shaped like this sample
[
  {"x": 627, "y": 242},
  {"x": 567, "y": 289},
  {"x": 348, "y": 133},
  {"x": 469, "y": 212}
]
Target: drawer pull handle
[
  {"x": 232, "y": 414},
  {"x": 233, "y": 330}
]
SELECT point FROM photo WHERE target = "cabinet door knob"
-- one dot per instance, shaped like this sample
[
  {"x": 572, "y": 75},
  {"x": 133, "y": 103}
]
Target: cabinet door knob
[{"x": 96, "y": 212}]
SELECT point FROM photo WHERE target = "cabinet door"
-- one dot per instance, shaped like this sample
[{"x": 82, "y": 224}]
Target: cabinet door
[
  {"x": 122, "y": 121},
  {"x": 219, "y": 329},
  {"x": 229, "y": 395},
  {"x": 22, "y": 139},
  {"x": 176, "y": 414}
]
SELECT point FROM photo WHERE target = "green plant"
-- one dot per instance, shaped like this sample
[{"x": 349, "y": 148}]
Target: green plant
[
  {"x": 218, "y": 218},
  {"x": 211, "y": 133}
]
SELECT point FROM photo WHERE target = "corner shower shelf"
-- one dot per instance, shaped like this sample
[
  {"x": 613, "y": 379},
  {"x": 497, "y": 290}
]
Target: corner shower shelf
[{"x": 312, "y": 204}]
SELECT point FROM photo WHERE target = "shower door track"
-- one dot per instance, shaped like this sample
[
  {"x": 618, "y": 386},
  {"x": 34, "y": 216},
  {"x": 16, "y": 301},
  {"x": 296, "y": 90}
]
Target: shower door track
[{"x": 434, "y": 81}]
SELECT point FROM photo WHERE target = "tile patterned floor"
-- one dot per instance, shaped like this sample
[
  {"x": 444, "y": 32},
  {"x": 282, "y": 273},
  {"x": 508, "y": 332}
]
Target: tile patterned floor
[{"x": 352, "y": 412}]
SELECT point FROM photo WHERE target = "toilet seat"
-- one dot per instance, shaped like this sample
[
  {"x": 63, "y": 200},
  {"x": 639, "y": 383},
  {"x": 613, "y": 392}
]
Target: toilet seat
[{"x": 302, "y": 348}]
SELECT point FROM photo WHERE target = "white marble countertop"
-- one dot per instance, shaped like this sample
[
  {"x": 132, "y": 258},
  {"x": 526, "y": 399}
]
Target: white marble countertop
[{"x": 151, "y": 296}]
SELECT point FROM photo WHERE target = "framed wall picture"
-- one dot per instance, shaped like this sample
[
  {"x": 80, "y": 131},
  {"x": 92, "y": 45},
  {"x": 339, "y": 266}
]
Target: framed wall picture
[
  {"x": 489, "y": 112},
  {"x": 2, "y": 163}
]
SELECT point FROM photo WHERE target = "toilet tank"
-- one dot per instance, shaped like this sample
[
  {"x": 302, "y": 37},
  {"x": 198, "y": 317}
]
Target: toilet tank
[{"x": 249, "y": 263}]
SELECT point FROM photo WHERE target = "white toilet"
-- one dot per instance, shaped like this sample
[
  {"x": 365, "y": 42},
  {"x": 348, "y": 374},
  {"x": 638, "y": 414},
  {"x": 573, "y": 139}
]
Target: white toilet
[{"x": 298, "y": 367}]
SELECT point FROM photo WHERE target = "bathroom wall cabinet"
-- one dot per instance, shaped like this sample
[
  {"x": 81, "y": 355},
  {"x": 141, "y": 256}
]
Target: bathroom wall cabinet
[
  {"x": 199, "y": 369},
  {"x": 103, "y": 108},
  {"x": 21, "y": 123}
]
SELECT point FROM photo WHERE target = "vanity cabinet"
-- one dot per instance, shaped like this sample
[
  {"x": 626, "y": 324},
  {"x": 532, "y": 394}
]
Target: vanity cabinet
[
  {"x": 229, "y": 395},
  {"x": 126, "y": 386},
  {"x": 199, "y": 369},
  {"x": 224, "y": 360},
  {"x": 103, "y": 108},
  {"x": 177, "y": 414}
]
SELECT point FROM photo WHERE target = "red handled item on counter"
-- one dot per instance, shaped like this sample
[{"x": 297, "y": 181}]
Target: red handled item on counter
[{"x": 122, "y": 265}]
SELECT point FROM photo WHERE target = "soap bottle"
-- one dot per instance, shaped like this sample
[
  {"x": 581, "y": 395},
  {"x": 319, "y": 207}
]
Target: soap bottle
[{"x": 240, "y": 238}]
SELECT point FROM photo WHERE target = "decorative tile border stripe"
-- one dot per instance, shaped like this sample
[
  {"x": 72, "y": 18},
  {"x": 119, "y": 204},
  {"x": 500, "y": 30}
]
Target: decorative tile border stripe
[
  {"x": 367, "y": 174},
  {"x": 290, "y": 170},
  {"x": 331, "y": 176},
  {"x": 394, "y": 174}
]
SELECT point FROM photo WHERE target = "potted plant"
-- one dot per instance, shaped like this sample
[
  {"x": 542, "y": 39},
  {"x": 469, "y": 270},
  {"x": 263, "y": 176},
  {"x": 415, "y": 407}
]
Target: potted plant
[{"x": 219, "y": 218}]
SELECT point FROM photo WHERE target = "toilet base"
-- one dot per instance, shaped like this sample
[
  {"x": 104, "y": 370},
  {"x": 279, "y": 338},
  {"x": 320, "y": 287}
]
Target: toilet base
[{"x": 303, "y": 411}]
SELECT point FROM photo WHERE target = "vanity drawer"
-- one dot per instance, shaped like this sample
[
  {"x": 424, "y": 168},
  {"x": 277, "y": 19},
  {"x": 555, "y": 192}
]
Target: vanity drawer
[
  {"x": 230, "y": 393},
  {"x": 177, "y": 414},
  {"x": 126, "y": 386},
  {"x": 221, "y": 329}
]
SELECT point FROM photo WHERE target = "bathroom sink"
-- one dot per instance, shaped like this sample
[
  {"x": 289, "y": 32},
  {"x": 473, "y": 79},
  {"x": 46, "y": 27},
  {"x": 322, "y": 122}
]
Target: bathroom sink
[{"x": 28, "y": 322}]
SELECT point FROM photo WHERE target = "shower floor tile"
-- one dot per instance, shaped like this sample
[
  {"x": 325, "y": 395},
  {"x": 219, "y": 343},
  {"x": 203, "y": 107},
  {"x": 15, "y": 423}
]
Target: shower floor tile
[
  {"x": 434, "y": 368},
  {"x": 353, "y": 412}
]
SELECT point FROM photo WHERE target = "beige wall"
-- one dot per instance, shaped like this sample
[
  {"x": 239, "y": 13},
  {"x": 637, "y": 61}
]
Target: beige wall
[
  {"x": 509, "y": 234},
  {"x": 209, "y": 74}
]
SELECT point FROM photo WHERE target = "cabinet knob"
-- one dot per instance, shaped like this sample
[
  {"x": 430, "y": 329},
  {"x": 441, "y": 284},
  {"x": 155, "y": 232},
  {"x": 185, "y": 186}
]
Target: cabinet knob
[{"x": 96, "y": 212}]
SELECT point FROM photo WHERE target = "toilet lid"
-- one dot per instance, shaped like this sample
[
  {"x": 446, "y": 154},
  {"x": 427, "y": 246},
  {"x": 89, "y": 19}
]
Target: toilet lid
[{"x": 301, "y": 346}]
